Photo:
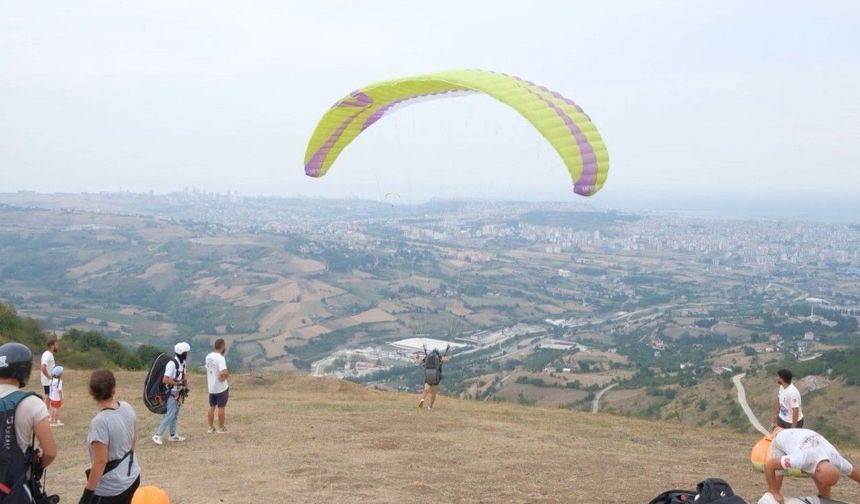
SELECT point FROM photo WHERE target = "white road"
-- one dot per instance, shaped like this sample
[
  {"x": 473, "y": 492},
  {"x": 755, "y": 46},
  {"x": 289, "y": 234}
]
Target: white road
[
  {"x": 742, "y": 400},
  {"x": 595, "y": 404}
]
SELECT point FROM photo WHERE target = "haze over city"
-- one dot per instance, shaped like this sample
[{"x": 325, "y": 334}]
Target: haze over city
[{"x": 738, "y": 109}]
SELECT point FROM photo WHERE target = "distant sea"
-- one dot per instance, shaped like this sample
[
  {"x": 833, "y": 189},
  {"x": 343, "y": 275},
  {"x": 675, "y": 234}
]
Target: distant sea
[{"x": 837, "y": 210}]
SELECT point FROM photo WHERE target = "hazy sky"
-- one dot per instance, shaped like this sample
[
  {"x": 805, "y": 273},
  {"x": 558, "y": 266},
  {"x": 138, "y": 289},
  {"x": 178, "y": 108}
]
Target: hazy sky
[{"x": 733, "y": 99}]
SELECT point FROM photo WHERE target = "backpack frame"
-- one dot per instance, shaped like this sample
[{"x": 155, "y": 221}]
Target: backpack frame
[
  {"x": 19, "y": 470},
  {"x": 155, "y": 392}
]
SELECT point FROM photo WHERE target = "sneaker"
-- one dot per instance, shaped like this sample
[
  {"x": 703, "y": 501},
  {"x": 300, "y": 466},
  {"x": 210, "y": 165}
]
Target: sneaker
[
  {"x": 59, "y": 423},
  {"x": 157, "y": 439},
  {"x": 222, "y": 430},
  {"x": 176, "y": 438},
  {"x": 210, "y": 430},
  {"x": 421, "y": 403}
]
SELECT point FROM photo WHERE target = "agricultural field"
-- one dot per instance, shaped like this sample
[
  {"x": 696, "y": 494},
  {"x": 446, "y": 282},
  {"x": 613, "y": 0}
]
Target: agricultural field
[{"x": 662, "y": 308}]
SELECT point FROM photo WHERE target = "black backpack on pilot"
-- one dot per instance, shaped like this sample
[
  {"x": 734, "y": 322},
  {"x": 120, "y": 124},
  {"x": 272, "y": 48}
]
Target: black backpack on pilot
[
  {"x": 433, "y": 368},
  {"x": 19, "y": 471},
  {"x": 154, "y": 390}
]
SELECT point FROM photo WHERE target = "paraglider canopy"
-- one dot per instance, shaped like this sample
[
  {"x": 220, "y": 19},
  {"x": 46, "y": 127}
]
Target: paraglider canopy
[
  {"x": 561, "y": 121},
  {"x": 150, "y": 495}
]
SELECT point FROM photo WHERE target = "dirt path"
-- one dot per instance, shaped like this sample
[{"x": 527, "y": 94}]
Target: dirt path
[
  {"x": 742, "y": 400},
  {"x": 595, "y": 404}
]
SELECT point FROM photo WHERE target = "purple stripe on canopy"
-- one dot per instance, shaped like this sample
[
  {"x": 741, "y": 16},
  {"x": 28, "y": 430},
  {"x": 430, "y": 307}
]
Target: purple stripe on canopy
[
  {"x": 360, "y": 99},
  {"x": 556, "y": 94},
  {"x": 314, "y": 166},
  {"x": 585, "y": 184}
]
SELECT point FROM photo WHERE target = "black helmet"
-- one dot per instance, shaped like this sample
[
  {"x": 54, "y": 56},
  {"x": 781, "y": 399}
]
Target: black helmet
[{"x": 16, "y": 361}]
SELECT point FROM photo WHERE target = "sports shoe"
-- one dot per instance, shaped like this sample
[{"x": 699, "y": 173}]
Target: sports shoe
[
  {"x": 157, "y": 439},
  {"x": 421, "y": 403},
  {"x": 176, "y": 438},
  {"x": 210, "y": 430},
  {"x": 59, "y": 423},
  {"x": 222, "y": 430}
]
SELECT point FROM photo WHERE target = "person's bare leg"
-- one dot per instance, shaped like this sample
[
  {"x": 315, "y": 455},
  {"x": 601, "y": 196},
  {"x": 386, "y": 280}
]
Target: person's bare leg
[
  {"x": 432, "y": 395},
  {"x": 424, "y": 396},
  {"x": 221, "y": 415},
  {"x": 210, "y": 416}
]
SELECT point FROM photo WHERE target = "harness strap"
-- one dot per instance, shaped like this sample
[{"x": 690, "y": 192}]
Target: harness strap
[
  {"x": 113, "y": 464},
  {"x": 11, "y": 403}
]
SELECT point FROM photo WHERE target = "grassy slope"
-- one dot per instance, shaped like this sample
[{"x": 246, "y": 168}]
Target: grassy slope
[{"x": 299, "y": 439}]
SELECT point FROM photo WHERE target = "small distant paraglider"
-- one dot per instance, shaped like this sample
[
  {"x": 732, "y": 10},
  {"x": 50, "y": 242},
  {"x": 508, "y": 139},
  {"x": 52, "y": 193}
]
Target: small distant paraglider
[{"x": 561, "y": 121}]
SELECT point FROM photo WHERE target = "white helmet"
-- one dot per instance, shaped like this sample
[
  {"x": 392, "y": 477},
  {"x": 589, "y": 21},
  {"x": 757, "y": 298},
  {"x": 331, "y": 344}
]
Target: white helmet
[{"x": 181, "y": 347}]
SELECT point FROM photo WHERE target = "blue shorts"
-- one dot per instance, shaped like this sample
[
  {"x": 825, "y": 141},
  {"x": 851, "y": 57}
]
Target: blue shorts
[{"x": 219, "y": 400}]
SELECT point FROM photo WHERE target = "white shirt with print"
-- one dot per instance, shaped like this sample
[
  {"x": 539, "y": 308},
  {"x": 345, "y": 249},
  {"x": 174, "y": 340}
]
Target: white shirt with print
[
  {"x": 215, "y": 363},
  {"x": 56, "y": 390},
  {"x": 789, "y": 398},
  {"x": 47, "y": 360},
  {"x": 805, "y": 448}
]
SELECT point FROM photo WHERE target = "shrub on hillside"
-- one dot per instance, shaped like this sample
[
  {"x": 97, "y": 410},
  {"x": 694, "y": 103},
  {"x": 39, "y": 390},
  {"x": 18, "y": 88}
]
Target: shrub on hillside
[
  {"x": 23, "y": 330},
  {"x": 78, "y": 349}
]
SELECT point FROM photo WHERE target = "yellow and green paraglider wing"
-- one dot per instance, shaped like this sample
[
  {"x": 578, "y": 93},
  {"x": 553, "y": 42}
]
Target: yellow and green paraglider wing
[{"x": 561, "y": 121}]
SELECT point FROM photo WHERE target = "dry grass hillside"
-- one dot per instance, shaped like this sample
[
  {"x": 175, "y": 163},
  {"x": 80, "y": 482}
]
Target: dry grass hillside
[{"x": 301, "y": 439}]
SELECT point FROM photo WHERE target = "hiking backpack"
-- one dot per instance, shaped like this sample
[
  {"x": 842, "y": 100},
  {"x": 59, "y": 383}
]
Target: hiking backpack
[
  {"x": 433, "y": 368},
  {"x": 716, "y": 491},
  {"x": 155, "y": 392},
  {"x": 674, "y": 497},
  {"x": 17, "y": 482}
]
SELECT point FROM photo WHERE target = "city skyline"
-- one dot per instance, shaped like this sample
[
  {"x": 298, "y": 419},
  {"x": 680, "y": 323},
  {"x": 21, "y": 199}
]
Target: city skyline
[{"x": 737, "y": 108}]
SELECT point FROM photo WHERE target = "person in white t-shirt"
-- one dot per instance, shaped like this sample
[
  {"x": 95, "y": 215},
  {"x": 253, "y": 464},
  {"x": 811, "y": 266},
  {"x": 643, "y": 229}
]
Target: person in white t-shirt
[
  {"x": 786, "y": 410},
  {"x": 808, "y": 451},
  {"x": 219, "y": 389},
  {"x": 47, "y": 367}
]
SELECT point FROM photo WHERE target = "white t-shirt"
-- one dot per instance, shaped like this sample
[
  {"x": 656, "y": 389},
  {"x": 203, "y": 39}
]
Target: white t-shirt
[
  {"x": 215, "y": 363},
  {"x": 47, "y": 358},
  {"x": 789, "y": 398},
  {"x": 31, "y": 410},
  {"x": 804, "y": 449},
  {"x": 56, "y": 391},
  {"x": 170, "y": 372}
]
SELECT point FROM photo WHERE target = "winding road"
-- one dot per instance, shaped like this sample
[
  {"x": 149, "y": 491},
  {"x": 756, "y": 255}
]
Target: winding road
[
  {"x": 742, "y": 400},
  {"x": 595, "y": 403}
]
